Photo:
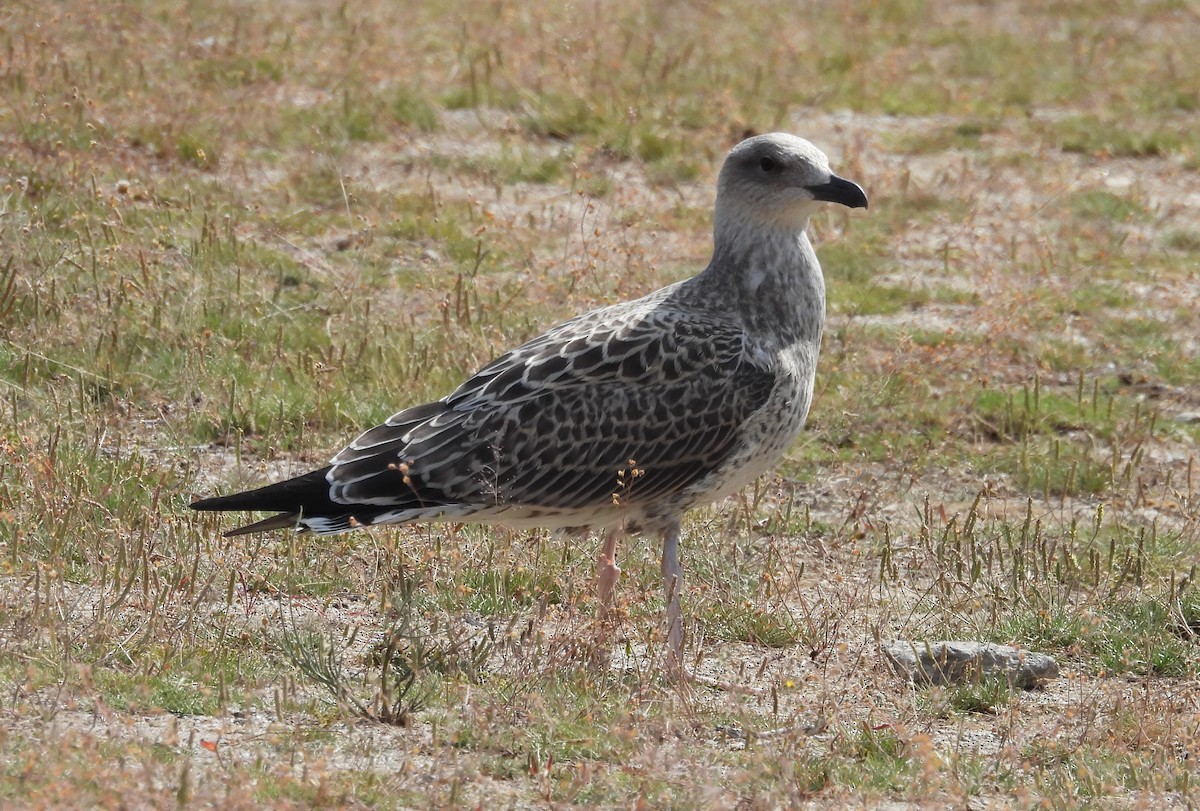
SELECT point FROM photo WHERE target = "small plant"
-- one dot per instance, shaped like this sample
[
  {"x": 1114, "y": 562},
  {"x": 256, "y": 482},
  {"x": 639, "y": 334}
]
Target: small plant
[
  {"x": 746, "y": 623},
  {"x": 879, "y": 754},
  {"x": 984, "y": 696},
  {"x": 1098, "y": 204},
  {"x": 397, "y": 666},
  {"x": 1090, "y": 135}
]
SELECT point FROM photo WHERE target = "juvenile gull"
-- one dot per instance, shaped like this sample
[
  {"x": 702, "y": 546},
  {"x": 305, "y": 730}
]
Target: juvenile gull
[{"x": 621, "y": 419}]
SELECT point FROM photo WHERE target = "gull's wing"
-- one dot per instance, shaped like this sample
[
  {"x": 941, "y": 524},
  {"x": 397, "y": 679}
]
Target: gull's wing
[{"x": 549, "y": 424}]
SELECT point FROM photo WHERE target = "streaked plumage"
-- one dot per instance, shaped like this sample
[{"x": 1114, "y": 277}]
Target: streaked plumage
[{"x": 623, "y": 418}]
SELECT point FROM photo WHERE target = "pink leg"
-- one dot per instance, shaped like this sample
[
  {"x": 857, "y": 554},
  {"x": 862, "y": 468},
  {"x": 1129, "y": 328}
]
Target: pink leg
[
  {"x": 673, "y": 584},
  {"x": 607, "y": 572}
]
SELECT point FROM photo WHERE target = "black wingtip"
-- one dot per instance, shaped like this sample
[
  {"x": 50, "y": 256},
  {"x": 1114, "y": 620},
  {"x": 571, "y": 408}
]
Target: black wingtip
[
  {"x": 281, "y": 521},
  {"x": 308, "y": 493},
  {"x": 304, "y": 495},
  {"x": 207, "y": 504}
]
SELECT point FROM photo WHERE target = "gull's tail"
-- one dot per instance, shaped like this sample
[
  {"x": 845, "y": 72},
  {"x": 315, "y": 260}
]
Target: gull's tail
[{"x": 302, "y": 503}]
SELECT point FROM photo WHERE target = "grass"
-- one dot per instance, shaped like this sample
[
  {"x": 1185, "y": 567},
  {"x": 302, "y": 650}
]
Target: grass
[
  {"x": 1092, "y": 135},
  {"x": 230, "y": 238}
]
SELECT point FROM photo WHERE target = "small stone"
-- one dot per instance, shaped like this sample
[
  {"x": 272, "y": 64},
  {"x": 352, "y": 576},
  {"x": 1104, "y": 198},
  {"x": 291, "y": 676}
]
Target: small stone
[{"x": 943, "y": 663}]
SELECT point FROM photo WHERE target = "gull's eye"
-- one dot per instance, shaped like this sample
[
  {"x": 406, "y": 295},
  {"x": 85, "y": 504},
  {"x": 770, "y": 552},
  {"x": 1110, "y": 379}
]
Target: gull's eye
[{"x": 767, "y": 164}]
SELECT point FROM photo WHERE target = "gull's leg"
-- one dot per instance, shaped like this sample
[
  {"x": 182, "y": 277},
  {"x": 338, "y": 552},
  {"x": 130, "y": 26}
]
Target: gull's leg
[
  {"x": 607, "y": 572},
  {"x": 672, "y": 574},
  {"x": 673, "y": 585}
]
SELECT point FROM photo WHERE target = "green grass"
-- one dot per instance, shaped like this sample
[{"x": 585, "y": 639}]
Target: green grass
[
  {"x": 1083, "y": 442},
  {"x": 988, "y": 696},
  {"x": 1103, "y": 205},
  {"x": 170, "y": 694},
  {"x": 967, "y": 134},
  {"x": 1091, "y": 135},
  {"x": 753, "y": 626},
  {"x": 879, "y": 758},
  {"x": 1184, "y": 240},
  {"x": 510, "y": 167}
]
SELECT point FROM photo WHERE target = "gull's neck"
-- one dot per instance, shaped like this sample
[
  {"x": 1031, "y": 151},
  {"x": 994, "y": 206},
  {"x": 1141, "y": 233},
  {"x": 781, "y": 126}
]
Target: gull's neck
[{"x": 770, "y": 276}]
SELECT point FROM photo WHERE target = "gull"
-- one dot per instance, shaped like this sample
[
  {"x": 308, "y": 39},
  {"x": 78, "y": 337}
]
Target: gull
[{"x": 622, "y": 419}]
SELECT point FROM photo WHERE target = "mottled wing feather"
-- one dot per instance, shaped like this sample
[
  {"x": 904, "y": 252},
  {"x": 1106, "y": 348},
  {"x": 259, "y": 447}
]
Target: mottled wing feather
[{"x": 550, "y": 423}]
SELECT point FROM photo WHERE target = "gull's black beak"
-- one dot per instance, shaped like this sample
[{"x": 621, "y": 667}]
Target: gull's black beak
[{"x": 840, "y": 190}]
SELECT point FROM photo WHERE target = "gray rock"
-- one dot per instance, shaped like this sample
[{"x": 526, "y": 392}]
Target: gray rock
[{"x": 967, "y": 662}]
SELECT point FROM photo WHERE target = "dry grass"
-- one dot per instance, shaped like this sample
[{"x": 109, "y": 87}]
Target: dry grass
[{"x": 231, "y": 236}]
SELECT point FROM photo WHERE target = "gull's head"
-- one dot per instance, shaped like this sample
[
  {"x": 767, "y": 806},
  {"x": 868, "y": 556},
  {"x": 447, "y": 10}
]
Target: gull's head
[{"x": 779, "y": 180}]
